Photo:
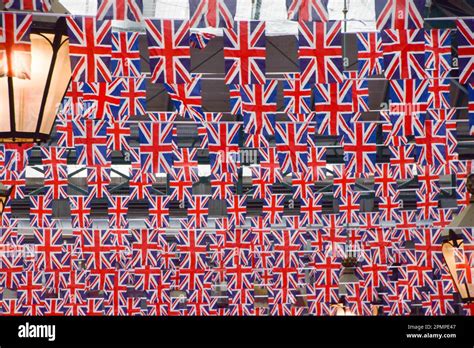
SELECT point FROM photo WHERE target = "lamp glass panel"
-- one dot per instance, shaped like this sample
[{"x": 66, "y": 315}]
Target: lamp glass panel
[
  {"x": 59, "y": 83},
  {"x": 4, "y": 106},
  {"x": 451, "y": 255},
  {"x": 29, "y": 93}
]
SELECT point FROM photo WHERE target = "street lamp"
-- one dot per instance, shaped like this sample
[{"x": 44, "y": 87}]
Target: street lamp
[
  {"x": 4, "y": 194},
  {"x": 456, "y": 250},
  {"x": 28, "y": 106}
]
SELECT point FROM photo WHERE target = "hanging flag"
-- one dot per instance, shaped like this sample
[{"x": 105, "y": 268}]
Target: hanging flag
[
  {"x": 90, "y": 140},
  {"x": 212, "y": 13},
  {"x": 360, "y": 148},
  {"x": 118, "y": 136},
  {"x": 359, "y": 89},
  {"x": 200, "y": 40},
  {"x": 133, "y": 98},
  {"x": 168, "y": 46},
  {"x": 465, "y": 50},
  {"x": 320, "y": 52},
  {"x": 98, "y": 179},
  {"x": 369, "y": 54},
  {"x": 101, "y": 100},
  {"x": 404, "y": 53},
  {"x": 187, "y": 99},
  {"x": 438, "y": 51},
  {"x": 334, "y": 108},
  {"x": 259, "y": 107},
  {"x": 399, "y": 14},
  {"x": 244, "y": 53},
  {"x": 28, "y": 5},
  {"x": 90, "y": 49},
  {"x": 409, "y": 97},
  {"x": 125, "y": 60},
  {"x": 56, "y": 177},
  {"x": 292, "y": 146},
  {"x": 296, "y": 96},
  {"x": 308, "y": 10},
  {"x": 430, "y": 139},
  {"x": 120, "y": 10},
  {"x": 156, "y": 147},
  {"x": 439, "y": 93},
  {"x": 15, "y": 45},
  {"x": 223, "y": 147}
]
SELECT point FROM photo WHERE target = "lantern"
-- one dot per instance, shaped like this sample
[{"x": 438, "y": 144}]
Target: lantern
[{"x": 28, "y": 106}]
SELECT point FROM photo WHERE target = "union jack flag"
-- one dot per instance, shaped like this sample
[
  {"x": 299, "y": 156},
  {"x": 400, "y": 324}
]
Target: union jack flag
[
  {"x": 465, "y": 50},
  {"x": 399, "y": 14},
  {"x": 438, "y": 50},
  {"x": 439, "y": 93},
  {"x": 297, "y": 97},
  {"x": 198, "y": 211},
  {"x": 311, "y": 209},
  {"x": 97, "y": 248},
  {"x": 441, "y": 297},
  {"x": 185, "y": 164},
  {"x": 98, "y": 178},
  {"x": 170, "y": 55},
  {"x": 120, "y": 10},
  {"x": 212, "y": 13},
  {"x": 118, "y": 136},
  {"x": 48, "y": 248},
  {"x": 430, "y": 139},
  {"x": 223, "y": 147},
  {"x": 235, "y": 99},
  {"x": 302, "y": 186},
  {"x": 334, "y": 108},
  {"x": 236, "y": 209},
  {"x": 320, "y": 52},
  {"x": 90, "y": 49},
  {"x": 404, "y": 53},
  {"x": 158, "y": 212},
  {"x": 102, "y": 100},
  {"x": 187, "y": 99},
  {"x": 385, "y": 183},
  {"x": 56, "y": 177},
  {"x": 90, "y": 139},
  {"x": 244, "y": 53},
  {"x": 308, "y": 10},
  {"x": 259, "y": 107},
  {"x": 133, "y": 98},
  {"x": 317, "y": 163},
  {"x": 28, "y": 5},
  {"x": 408, "y": 97},
  {"x": 360, "y": 91},
  {"x": 15, "y": 45},
  {"x": 292, "y": 146},
  {"x": 118, "y": 211},
  {"x": 360, "y": 148},
  {"x": 273, "y": 209},
  {"x": 327, "y": 270},
  {"x": 80, "y": 211},
  {"x": 369, "y": 54},
  {"x": 156, "y": 147},
  {"x": 125, "y": 60},
  {"x": 200, "y": 40}
]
